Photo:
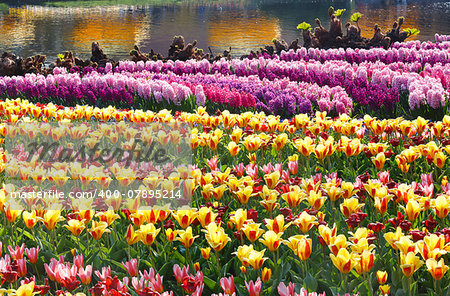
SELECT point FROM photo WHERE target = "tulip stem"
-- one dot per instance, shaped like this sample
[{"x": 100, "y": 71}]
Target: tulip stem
[
  {"x": 345, "y": 283},
  {"x": 409, "y": 285},
  {"x": 37, "y": 272},
  {"x": 151, "y": 256},
  {"x": 218, "y": 263},
  {"x": 369, "y": 283},
  {"x": 275, "y": 260},
  {"x": 100, "y": 249},
  {"x": 79, "y": 246},
  {"x": 191, "y": 264}
]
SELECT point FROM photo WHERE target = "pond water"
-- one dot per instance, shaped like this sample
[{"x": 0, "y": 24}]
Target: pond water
[{"x": 245, "y": 25}]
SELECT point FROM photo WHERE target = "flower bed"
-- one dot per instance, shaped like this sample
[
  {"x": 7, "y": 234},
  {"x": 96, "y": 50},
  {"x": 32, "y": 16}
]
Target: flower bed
[
  {"x": 409, "y": 79},
  {"x": 332, "y": 205}
]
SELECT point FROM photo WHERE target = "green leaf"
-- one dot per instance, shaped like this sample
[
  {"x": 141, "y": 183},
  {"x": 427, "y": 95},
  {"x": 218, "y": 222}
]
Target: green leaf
[
  {"x": 310, "y": 283},
  {"x": 304, "y": 26},
  {"x": 339, "y": 12},
  {"x": 212, "y": 285},
  {"x": 355, "y": 17},
  {"x": 401, "y": 292}
]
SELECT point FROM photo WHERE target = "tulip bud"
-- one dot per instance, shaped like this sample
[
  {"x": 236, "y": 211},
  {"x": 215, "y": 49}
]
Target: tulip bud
[
  {"x": 266, "y": 274},
  {"x": 243, "y": 269},
  {"x": 197, "y": 266},
  {"x": 206, "y": 252},
  {"x": 385, "y": 289},
  {"x": 382, "y": 277}
]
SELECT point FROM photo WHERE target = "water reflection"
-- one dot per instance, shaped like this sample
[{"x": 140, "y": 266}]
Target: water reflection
[{"x": 244, "y": 25}]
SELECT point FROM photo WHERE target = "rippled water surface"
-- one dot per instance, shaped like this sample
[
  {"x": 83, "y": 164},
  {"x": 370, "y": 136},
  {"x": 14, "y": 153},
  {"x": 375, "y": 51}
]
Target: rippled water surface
[{"x": 244, "y": 25}]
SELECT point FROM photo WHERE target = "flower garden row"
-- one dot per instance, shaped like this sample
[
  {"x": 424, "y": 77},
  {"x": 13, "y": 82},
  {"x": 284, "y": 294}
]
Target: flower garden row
[
  {"x": 407, "y": 79},
  {"x": 333, "y": 205}
]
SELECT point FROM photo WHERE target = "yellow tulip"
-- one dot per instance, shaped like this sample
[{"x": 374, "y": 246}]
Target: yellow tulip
[
  {"x": 252, "y": 231},
  {"x": 239, "y": 217},
  {"x": 185, "y": 237},
  {"x": 277, "y": 224},
  {"x": 216, "y": 236},
  {"x": 382, "y": 277},
  {"x": 413, "y": 209},
  {"x": 244, "y": 193},
  {"x": 315, "y": 199},
  {"x": 436, "y": 269},
  {"x": 206, "y": 216},
  {"x": 337, "y": 243},
  {"x": 439, "y": 159},
  {"x": 441, "y": 206},
  {"x": 379, "y": 160},
  {"x": 385, "y": 289},
  {"x": 29, "y": 219},
  {"x": 405, "y": 245},
  {"x": 185, "y": 217},
  {"x": 75, "y": 226},
  {"x": 272, "y": 179},
  {"x": 171, "y": 234},
  {"x": 206, "y": 252},
  {"x": 409, "y": 263},
  {"x": 305, "y": 222},
  {"x": 393, "y": 237},
  {"x": 266, "y": 274},
  {"x": 350, "y": 206},
  {"x": 304, "y": 146},
  {"x": 343, "y": 261},
  {"x": 364, "y": 261},
  {"x": 280, "y": 141},
  {"x": 256, "y": 259},
  {"x": 148, "y": 233},
  {"x": 304, "y": 248},
  {"x": 97, "y": 229},
  {"x": 292, "y": 242},
  {"x": 327, "y": 234},
  {"x": 233, "y": 148},
  {"x": 294, "y": 197},
  {"x": 26, "y": 290},
  {"x": 108, "y": 216},
  {"x": 236, "y": 135},
  {"x": 243, "y": 252},
  {"x": 272, "y": 240},
  {"x": 51, "y": 217}
]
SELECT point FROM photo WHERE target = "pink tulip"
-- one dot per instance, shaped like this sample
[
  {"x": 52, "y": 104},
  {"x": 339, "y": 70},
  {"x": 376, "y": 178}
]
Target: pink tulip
[
  {"x": 85, "y": 274},
  {"x": 254, "y": 289},
  {"x": 384, "y": 177},
  {"x": 1, "y": 247},
  {"x": 131, "y": 267},
  {"x": 78, "y": 261},
  {"x": 293, "y": 167},
  {"x": 240, "y": 169},
  {"x": 17, "y": 253},
  {"x": 50, "y": 269},
  {"x": 179, "y": 273},
  {"x": 32, "y": 254},
  {"x": 286, "y": 291},
  {"x": 212, "y": 163},
  {"x": 21, "y": 267},
  {"x": 106, "y": 272},
  {"x": 227, "y": 285}
]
